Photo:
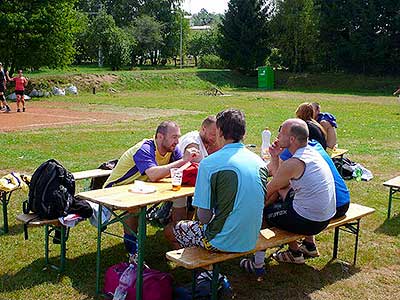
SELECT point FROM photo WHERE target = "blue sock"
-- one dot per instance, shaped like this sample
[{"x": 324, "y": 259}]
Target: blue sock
[{"x": 130, "y": 242}]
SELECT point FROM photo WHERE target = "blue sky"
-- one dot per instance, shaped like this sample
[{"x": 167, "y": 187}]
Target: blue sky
[{"x": 215, "y": 6}]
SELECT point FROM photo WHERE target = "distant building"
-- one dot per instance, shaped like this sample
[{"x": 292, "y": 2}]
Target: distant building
[{"x": 199, "y": 28}]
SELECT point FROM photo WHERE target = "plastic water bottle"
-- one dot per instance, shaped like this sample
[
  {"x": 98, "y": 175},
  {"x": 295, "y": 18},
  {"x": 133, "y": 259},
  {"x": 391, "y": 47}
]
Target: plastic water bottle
[
  {"x": 125, "y": 282},
  {"x": 266, "y": 143},
  {"x": 227, "y": 292},
  {"x": 358, "y": 174}
]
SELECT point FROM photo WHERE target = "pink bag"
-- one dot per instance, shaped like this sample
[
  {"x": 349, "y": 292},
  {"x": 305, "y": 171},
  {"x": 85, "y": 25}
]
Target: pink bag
[{"x": 156, "y": 285}]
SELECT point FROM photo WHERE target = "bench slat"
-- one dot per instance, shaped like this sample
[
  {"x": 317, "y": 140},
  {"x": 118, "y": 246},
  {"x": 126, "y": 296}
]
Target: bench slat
[
  {"x": 196, "y": 257},
  {"x": 26, "y": 219},
  {"x": 91, "y": 174}
]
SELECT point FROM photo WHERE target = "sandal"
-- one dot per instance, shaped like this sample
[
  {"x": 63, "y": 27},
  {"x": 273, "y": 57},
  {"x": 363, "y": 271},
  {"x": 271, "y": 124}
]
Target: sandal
[{"x": 288, "y": 257}]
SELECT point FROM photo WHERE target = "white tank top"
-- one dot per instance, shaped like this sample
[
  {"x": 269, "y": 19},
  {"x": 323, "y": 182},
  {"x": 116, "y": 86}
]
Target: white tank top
[{"x": 315, "y": 197}]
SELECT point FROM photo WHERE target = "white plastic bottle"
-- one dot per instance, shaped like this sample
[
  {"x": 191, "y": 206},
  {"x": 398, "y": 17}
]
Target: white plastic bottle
[
  {"x": 266, "y": 143},
  {"x": 125, "y": 282}
]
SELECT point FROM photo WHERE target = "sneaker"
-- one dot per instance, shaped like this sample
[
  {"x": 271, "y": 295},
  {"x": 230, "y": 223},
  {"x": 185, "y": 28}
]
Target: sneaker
[
  {"x": 249, "y": 266},
  {"x": 309, "y": 250},
  {"x": 18, "y": 110},
  {"x": 8, "y": 109},
  {"x": 289, "y": 256},
  {"x": 23, "y": 109}
]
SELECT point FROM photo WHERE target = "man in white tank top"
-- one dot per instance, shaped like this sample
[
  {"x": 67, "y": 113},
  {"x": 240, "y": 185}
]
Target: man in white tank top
[{"x": 301, "y": 195}]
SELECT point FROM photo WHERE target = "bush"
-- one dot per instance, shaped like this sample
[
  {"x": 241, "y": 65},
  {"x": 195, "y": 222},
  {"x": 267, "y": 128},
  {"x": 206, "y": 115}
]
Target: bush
[{"x": 211, "y": 61}]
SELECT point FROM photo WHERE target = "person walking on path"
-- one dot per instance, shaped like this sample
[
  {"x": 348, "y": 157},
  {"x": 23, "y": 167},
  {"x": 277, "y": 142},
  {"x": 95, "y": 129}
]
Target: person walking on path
[
  {"x": 3, "y": 87},
  {"x": 20, "y": 84}
]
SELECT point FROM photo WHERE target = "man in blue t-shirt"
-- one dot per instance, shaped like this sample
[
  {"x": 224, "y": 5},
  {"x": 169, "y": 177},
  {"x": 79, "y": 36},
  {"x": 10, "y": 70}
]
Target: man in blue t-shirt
[{"x": 229, "y": 195}]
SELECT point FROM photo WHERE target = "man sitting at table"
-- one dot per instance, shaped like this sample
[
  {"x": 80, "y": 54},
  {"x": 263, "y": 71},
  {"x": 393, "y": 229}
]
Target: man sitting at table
[
  {"x": 151, "y": 160},
  {"x": 229, "y": 194},
  {"x": 301, "y": 195},
  {"x": 203, "y": 140}
]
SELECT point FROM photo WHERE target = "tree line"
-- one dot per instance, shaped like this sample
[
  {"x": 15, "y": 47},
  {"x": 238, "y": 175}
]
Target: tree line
[{"x": 360, "y": 36}]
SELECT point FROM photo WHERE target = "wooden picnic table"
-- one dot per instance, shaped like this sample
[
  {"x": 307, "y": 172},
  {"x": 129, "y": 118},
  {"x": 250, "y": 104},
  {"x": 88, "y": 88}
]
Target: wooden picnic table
[
  {"x": 394, "y": 188},
  {"x": 119, "y": 198}
]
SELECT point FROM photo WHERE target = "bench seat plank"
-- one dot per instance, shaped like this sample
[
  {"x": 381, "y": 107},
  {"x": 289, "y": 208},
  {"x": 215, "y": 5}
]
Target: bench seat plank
[
  {"x": 394, "y": 182},
  {"x": 197, "y": 257},
  {"x": 26, "y": 219},
  {"x": 91, "y": 174}
]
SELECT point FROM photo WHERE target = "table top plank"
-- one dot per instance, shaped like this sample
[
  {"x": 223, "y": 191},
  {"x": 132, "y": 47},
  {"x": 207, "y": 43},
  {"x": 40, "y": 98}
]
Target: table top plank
[
  {"x": 120, "y": 197},
  {"x": 394, "y": 182},
  {"x": 338, "y": 152}
]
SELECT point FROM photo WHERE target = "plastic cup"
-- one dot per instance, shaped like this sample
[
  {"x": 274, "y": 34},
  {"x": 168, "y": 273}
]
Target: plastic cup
[{"x": 176, "y": 176}]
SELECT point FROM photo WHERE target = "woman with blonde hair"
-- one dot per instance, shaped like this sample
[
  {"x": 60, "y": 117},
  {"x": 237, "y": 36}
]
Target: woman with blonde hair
[{"x": 305, "y": 111}]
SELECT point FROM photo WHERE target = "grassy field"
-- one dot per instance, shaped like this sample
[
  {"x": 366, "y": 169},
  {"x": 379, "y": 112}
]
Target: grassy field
[{"x": 368, "y": 125}]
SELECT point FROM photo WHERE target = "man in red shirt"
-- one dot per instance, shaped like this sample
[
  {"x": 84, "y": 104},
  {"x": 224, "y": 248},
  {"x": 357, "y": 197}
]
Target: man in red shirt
[{"x": 20, "y": 84}]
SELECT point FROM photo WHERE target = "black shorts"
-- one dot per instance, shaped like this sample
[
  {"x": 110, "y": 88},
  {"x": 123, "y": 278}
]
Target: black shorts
[
  {"x": 282, "y": 215},
  {"x": 21, "y": 93},
  {"x": 341, "y": 210},
  {"x": 2, "y": 88}
]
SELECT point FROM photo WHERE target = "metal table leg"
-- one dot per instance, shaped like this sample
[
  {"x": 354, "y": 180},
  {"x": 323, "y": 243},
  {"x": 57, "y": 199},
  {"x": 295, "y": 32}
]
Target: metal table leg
[
  {"x": 141, "y": 245},
  {"x": 99, "y": 230}
]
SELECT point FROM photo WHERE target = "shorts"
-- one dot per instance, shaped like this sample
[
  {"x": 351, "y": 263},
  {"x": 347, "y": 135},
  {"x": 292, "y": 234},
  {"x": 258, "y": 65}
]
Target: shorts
[
  {"x": 282, "y": 215},
  {"x": 341, "y": 210},
  {"x": 190, "y": 234},
  {"x": 2, "y": 89},
  {"x": 21, "y": 93}
]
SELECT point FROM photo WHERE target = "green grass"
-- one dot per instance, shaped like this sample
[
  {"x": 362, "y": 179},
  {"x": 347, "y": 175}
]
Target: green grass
[{"x": 368, "y": 126}]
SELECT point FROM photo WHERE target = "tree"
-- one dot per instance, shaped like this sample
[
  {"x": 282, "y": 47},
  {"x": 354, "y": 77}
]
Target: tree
[
  {"x": 203, "y": 42},
  {"x": 243, "y": 41},
  {"x": 147, "y": 32},
  {"x": 295, "y": 27},
  {"x": 203, "y": 17},
  {"x": 37, "y": 33},
  {"x": 109, "y": 40}
]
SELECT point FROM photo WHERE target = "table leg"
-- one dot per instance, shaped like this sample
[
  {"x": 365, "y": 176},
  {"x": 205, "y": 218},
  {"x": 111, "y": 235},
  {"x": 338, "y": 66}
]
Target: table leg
[
  {"x": 390, "y": 202},
  {"x": 99, "y": 224},
  {"x": 141, "y": 244},
  {"x": 4, "y": 203}
]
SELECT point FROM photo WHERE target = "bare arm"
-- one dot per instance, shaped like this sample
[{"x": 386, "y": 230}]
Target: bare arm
[
  {"x": 158, "y": 172},
  {"x": 331, "y": 138},
  {"x": 204, "y": 215},
  {"x": 289, "y": 169}
]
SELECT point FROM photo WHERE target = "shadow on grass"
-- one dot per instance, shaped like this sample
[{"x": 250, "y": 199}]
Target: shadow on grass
[
  {"x": 390, "y": 226},
  {"x": 81, "y": 270},
  {"x": 286, "y": 281},
  {"x": 16, "y": 229}
]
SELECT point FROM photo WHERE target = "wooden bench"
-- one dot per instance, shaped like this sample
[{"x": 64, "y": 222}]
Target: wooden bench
[
  {"x": 5, "y": 196},
  {"x": 394, "y": 188},
  {"x": 195, "y": 257}
]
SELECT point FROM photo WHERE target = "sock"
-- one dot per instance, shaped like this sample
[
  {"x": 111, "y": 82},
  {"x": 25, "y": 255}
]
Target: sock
[
  {"x": 130, "y": 242},
  {"x": 259, "y": 257}
]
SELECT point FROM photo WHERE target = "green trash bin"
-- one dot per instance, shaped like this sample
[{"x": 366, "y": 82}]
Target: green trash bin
[{"x": 266, "y": 78}]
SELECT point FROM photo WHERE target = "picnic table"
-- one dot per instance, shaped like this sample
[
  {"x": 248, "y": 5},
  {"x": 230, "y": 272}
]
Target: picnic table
[
  {"x": 121, "y": 202},
  {"x": 394, "y": 188}
]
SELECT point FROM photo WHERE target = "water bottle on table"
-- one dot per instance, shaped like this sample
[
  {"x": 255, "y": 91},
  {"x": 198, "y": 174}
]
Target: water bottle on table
[
  {"x": 266, "y": 143},
  {"x": 125, "y": 282}
]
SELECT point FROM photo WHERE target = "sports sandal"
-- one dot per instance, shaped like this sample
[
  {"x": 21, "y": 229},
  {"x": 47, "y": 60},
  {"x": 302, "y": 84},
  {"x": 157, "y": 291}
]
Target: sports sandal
[
  {"x": 288, "y": 257},
  {"x": 307, "y": 252},
  {"x": 249, "y": 266}
]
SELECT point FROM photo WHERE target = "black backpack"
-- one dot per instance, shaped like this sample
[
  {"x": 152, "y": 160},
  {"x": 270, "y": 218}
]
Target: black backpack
[{"x": 51, "y": 191}]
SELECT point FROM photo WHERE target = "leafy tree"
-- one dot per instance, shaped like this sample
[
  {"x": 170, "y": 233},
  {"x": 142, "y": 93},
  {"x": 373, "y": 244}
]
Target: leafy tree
[
  {"x": 147, "y": 32},
  {"x": 37, "y": 33},
  {"x": 203, "y": 17},
  {"x": 243, "y": 41},
  {"x": 203, "y": 43},
  {"x": 111, "y": 42},
  {"x": 295, "y": 27}
]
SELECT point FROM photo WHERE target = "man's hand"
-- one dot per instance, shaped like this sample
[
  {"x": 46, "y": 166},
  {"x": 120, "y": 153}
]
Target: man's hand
[
  {"x": 190, "y": 154},
  {"x": 274, "y": 149}
]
